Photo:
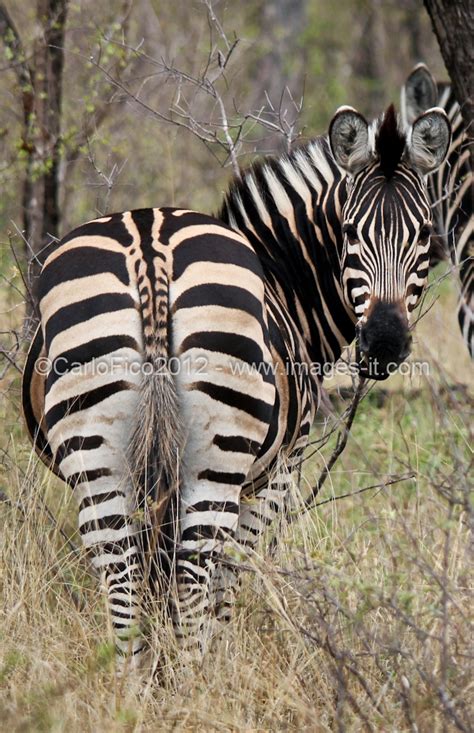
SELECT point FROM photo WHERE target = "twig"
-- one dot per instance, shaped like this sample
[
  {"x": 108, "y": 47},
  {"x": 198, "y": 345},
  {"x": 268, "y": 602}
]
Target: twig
[
  {"x": 381, "y": 485},
  {"x": 340, "y": 445},
  {"x": 28, "y": 290},
  {"x": 11, "y": 361}
]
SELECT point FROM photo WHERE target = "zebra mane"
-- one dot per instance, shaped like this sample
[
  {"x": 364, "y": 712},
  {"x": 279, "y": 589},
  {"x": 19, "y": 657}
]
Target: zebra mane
[
  {"x": 266, "y": 179},
  {"x": 389, "y": 143},
  {"x": 300, "y": 165}
]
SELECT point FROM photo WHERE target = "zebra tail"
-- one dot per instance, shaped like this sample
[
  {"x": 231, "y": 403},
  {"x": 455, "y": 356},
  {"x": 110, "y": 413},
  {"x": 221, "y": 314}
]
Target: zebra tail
[{"x": 156, "y": 445}]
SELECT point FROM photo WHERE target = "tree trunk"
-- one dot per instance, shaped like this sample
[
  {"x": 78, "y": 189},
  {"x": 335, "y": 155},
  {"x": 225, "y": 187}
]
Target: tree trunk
[
  {"x": 42, "y": 141},
  {"x": 453, "y": 25},
  {"x": 40, "y": 84},
  {"x": 369, "y": 68}
]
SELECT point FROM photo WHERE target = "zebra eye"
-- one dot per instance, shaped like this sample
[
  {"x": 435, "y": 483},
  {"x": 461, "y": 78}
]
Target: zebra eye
[
  {"x": 351, "y": 233},
  {"x": 425, "y": 232}
]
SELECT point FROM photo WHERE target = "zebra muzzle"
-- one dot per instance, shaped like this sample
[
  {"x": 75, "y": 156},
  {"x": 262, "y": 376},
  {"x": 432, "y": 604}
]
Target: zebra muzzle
[{"x": 384, "y": 341}]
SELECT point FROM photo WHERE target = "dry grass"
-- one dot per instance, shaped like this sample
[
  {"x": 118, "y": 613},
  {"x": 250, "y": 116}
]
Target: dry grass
[{"x": 360, "y": 621}]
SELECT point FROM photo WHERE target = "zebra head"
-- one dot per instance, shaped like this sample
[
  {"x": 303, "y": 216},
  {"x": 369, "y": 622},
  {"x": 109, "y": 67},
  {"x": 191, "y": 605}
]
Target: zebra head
[{"x": 386, "y": 225}]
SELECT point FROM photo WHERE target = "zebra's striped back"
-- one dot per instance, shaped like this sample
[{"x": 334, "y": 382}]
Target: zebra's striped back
[
  {"x": 289, "y": 209},
  {"x": 450, "y": 189}
]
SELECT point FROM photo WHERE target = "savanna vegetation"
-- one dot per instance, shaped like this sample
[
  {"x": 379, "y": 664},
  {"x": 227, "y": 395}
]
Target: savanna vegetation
[{"x": 361, "y": 617}]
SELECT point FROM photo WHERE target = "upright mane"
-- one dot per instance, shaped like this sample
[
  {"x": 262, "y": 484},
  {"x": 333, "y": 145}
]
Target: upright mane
[{"x": 389, "y": 143}]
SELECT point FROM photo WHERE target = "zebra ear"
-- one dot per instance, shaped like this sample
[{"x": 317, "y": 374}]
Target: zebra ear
[
  {"x": 349, "y": 140},
  {"x": 428, "y": 140},
  {"x": 419, "y": 93}
]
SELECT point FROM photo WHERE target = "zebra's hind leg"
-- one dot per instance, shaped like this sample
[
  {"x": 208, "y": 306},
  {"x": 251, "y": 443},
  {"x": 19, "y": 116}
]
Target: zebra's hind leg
[
  {"x": 226, "y": 408},
  {"x": 110, "y": 535},
  {"x": 217, "y": 458},
  {"x": 205, "y": 533},
  {"x": 91, "y": 449}
]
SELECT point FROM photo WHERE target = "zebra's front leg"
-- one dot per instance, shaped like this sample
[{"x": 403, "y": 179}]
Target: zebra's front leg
[{"x": 257, "y": 513}]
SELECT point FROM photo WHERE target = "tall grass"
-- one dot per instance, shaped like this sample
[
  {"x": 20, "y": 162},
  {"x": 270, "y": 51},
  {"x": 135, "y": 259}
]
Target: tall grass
[{"x": 360, "y": 620}]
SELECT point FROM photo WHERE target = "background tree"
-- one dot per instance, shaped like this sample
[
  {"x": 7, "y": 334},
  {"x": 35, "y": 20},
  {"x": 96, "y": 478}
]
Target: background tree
[
  {"x": 41, "y": 146},
  {"x": 453, "y": 24},
  {"x": 361, "y": 621},
  {"x": 40, "y": 80}
]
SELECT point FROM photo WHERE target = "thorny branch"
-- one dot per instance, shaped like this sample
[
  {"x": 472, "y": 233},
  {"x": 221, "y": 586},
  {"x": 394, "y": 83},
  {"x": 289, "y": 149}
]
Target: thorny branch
[
  {"x": 227, "y": 132},
  {"x": 107, "y": 180},
  {"x": 381, "y": 485}
]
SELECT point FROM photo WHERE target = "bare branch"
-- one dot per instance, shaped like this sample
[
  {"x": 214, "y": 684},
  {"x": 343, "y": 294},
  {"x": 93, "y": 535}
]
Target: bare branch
[{"x": 225, "y": 131}]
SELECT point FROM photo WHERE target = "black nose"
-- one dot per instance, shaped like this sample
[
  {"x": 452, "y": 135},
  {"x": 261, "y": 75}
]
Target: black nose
[{"x": 385, "y": 339}]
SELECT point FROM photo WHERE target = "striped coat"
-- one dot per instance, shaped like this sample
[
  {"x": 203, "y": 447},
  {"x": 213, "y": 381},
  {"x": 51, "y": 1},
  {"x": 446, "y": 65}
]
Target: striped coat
[
  {"x": 165, "y": 382},
  {"x": 450, "y": 189}
]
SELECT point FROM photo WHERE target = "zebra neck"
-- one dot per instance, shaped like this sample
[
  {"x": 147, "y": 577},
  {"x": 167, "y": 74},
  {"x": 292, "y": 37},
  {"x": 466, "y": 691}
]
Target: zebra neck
[
  {"x": 289, "y": 210},
  {"x": 450, "y": 187}
]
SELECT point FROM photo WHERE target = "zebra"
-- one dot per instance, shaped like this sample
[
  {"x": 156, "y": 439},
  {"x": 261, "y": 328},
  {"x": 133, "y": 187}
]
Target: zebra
[
  {"x": 163, "y": 383},
  {"x": 450, "y": 189}
]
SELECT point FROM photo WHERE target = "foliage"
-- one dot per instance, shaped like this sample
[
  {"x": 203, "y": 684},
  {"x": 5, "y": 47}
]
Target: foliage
[{"x": 308, "y": 47}]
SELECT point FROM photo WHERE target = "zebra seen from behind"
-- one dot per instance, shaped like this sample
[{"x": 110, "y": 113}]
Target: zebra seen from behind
[
  {"x": 174, "y": 342},
  {"x": 450, "y": 189}
]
